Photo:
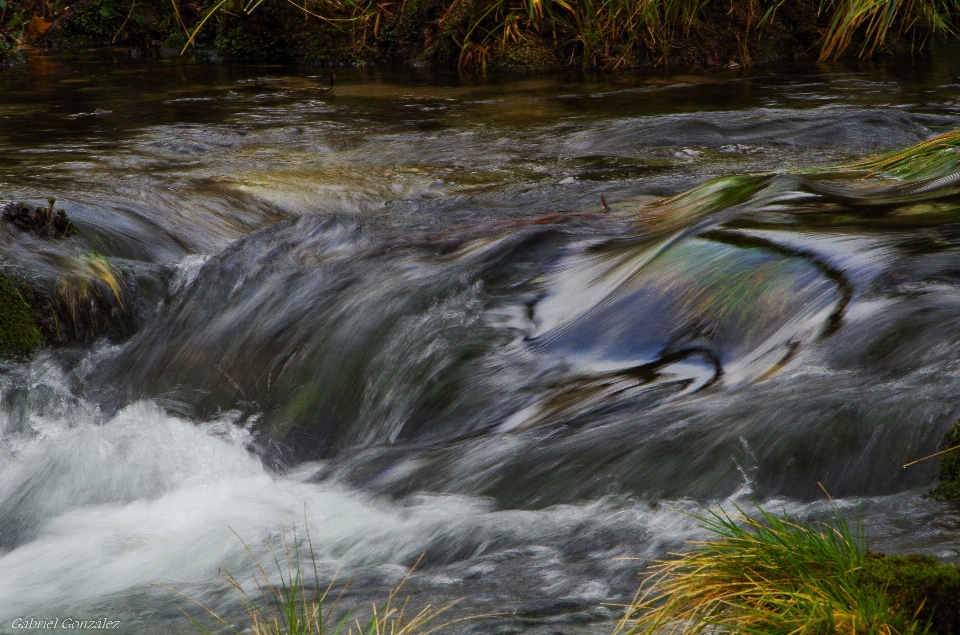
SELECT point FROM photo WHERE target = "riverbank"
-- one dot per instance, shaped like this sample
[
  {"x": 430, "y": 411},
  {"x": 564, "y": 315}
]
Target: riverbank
[{"x": 488, "y": 34}]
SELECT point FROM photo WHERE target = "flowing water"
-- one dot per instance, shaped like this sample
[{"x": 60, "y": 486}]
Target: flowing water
[{"x": 398, "y": 313}]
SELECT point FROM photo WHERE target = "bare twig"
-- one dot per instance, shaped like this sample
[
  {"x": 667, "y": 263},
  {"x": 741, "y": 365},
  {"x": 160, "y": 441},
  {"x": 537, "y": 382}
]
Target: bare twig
[{"x": 935, "y": 454}]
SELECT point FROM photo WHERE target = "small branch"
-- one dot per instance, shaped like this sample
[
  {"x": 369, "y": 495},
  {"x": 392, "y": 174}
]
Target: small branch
[
  {"x": 127, "y": 19},
  {"x": 931, "y": 456}
]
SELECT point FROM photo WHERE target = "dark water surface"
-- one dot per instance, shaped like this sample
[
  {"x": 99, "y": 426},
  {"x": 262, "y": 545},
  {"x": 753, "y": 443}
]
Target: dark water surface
[{"x": 399, "y": 313}]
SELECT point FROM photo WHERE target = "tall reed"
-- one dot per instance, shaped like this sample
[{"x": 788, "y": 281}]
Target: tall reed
[{"x": 878, "y": 22}]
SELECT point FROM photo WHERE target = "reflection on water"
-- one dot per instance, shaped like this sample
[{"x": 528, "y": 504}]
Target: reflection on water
[{"x": 400, "y": 313}]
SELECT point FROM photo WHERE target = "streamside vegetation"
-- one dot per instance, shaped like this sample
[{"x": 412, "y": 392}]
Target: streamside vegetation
[
  {"x": 768, "y": 574},
  {"x": 291, "y": 603},
  {"x": 480, "y": 34},
  {"x": 761, "y": 574},
  {"x": 919, "y": 586}
]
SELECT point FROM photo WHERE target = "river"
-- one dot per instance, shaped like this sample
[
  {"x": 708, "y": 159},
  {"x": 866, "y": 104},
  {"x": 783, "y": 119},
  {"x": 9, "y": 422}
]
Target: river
[{"x": 398, "y": 313}]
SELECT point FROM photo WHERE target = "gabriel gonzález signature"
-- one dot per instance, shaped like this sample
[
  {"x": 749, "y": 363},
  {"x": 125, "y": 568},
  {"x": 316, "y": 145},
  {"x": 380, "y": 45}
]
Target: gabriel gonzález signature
[{"x": 66, "y": 622}]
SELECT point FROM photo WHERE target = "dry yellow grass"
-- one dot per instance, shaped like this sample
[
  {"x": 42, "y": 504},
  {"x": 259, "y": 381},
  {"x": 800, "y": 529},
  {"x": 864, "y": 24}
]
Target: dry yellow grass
[
  {"x": 768, "y": 575},
  {"x": 293, "y": 606}
]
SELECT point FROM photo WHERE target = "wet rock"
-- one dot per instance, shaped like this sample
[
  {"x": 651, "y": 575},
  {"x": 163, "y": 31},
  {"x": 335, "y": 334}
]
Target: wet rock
[
  {"x": 90, "y": 299},
  {"x": 41, "y": 221}
]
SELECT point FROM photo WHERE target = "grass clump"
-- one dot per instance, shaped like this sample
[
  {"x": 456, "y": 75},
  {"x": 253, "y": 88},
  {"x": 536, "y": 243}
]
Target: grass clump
[
  {"x": 768, "y": 575},
  {"x": 90, "y": 297},
  {"x": 876, "y": 22},
  {"x": 296, "y": 605}
]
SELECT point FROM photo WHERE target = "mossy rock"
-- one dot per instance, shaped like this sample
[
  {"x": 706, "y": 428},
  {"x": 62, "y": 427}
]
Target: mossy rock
[
  {"x": 948, "y": 477},
  {"x": 19, "y": 334},
  {"x": 918, "y": 585}
]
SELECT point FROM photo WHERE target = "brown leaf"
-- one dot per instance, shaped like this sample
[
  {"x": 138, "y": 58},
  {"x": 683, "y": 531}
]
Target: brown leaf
[{"x": 35, "y": 28}]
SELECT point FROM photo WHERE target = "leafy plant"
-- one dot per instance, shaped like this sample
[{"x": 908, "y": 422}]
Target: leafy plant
[{"x": 13, "y": 21}]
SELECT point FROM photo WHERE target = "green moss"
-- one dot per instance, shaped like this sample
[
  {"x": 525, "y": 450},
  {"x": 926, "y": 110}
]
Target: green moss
[
  {"x": 918, "y": 585},
  {"x": 18, "y": 331},
  {"x": 948, "y": 485}
]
